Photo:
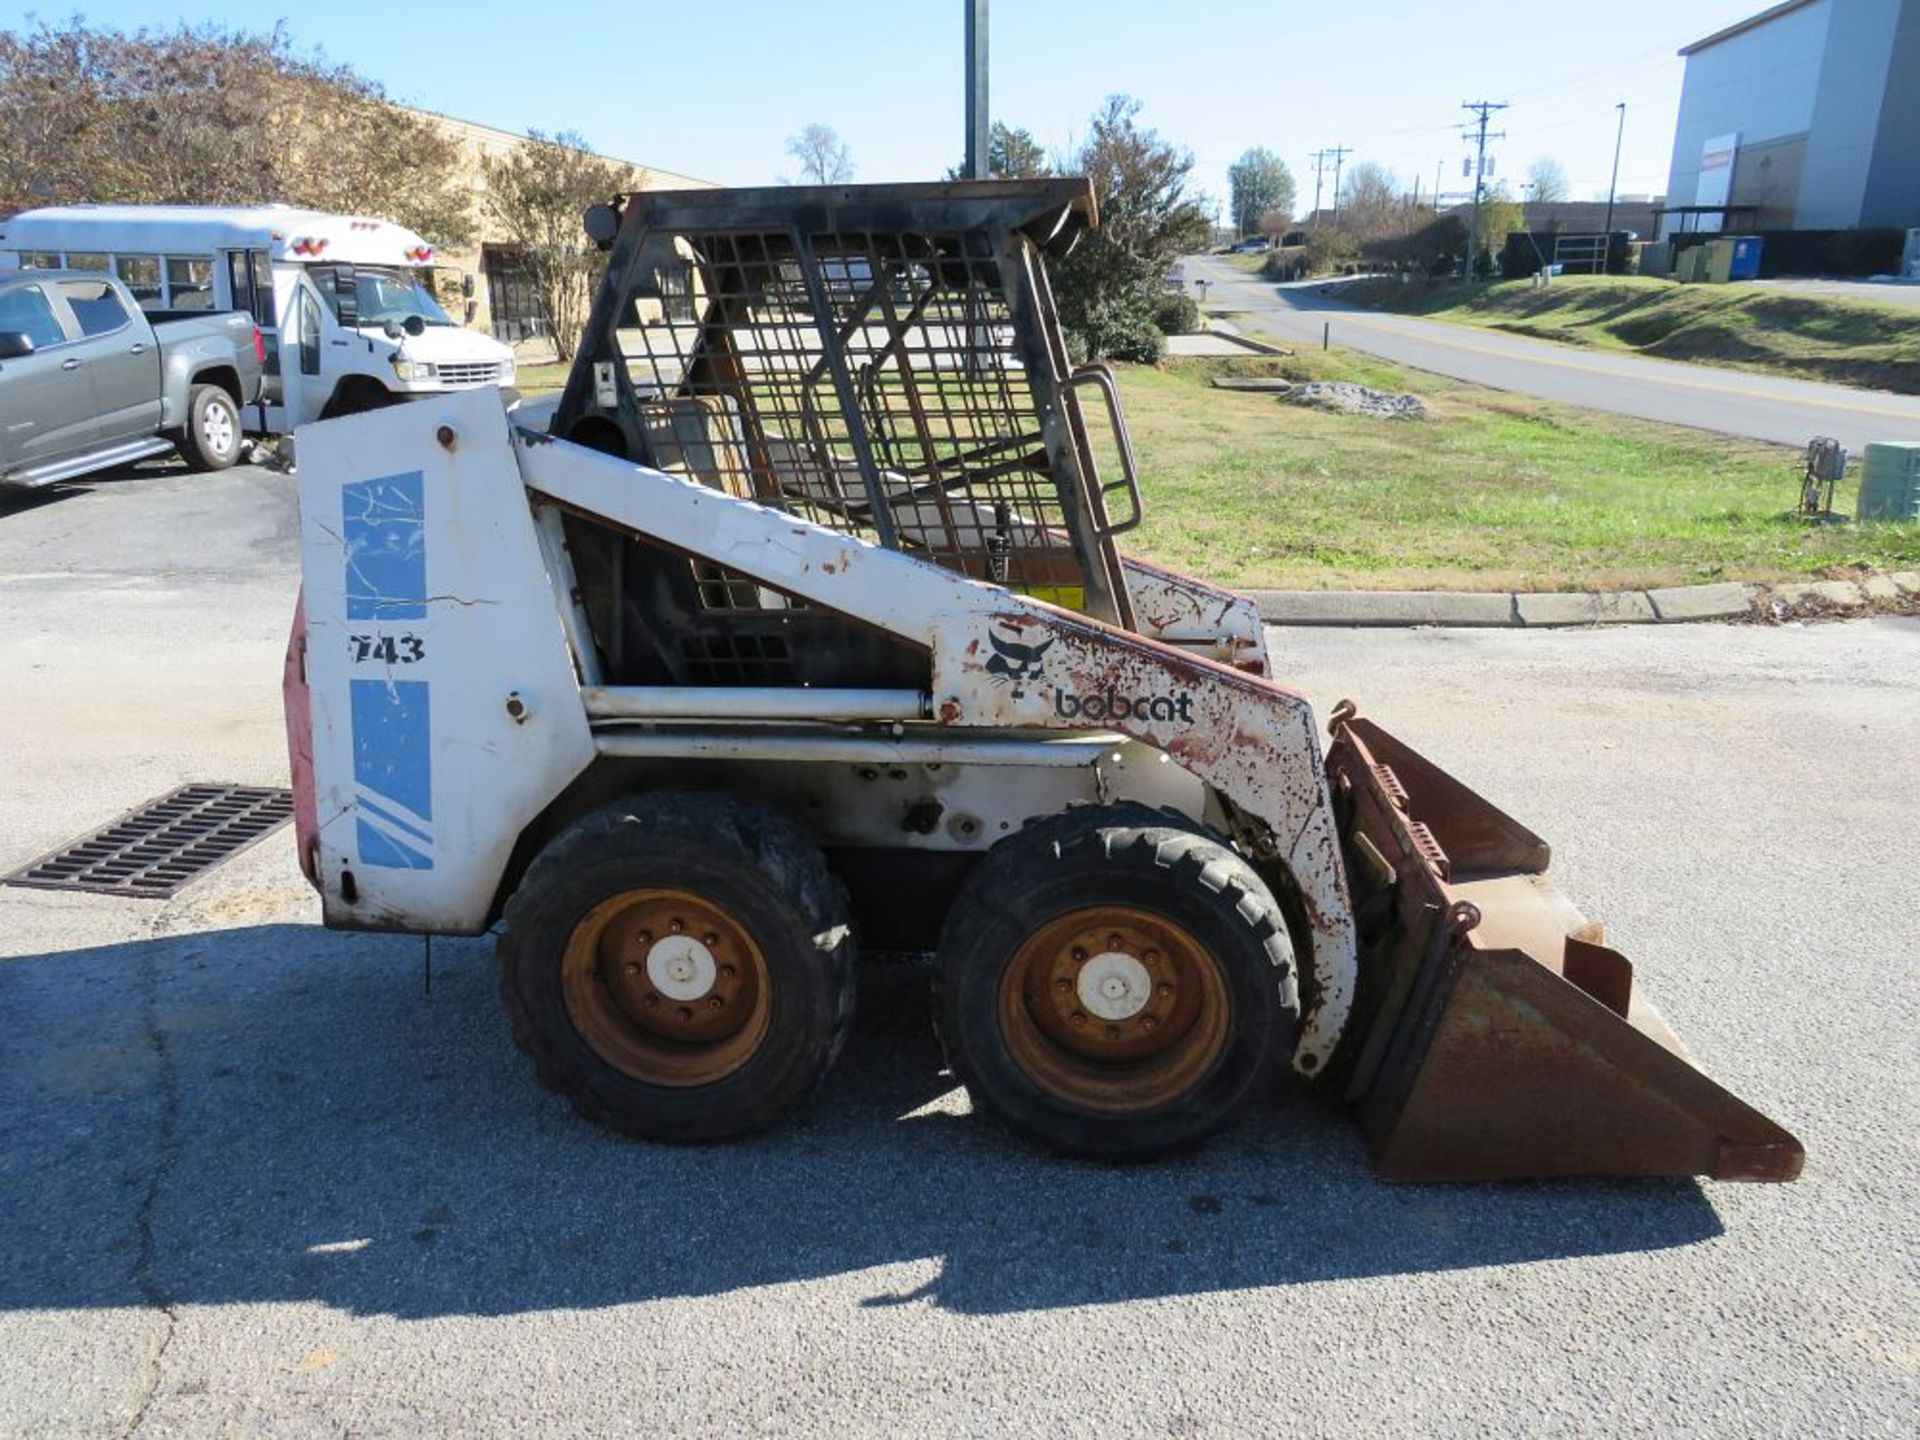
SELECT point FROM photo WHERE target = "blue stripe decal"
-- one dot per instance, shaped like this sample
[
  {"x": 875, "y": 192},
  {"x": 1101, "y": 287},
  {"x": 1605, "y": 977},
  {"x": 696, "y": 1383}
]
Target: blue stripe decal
[
  {"x": 392, "y": 821},
  {"x": 384, "y": 851},
  {"x": 384, "y": 524},
  {"x": 393, "y": 761}
]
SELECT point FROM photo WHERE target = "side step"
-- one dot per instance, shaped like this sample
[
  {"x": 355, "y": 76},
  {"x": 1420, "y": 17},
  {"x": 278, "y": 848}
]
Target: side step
[
  {"x": 76, "y": 465},
  {"x": 1497, "y": 1037}
]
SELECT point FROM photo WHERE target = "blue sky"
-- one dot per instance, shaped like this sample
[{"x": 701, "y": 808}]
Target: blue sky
[{"x": 713, "y": 89}]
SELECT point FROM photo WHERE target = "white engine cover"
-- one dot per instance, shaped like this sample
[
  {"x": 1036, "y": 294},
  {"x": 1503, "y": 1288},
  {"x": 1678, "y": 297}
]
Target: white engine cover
[{"x": 446, "y": 712}]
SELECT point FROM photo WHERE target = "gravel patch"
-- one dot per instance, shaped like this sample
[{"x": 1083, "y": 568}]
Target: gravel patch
[{"x": 1345, "y": 398}]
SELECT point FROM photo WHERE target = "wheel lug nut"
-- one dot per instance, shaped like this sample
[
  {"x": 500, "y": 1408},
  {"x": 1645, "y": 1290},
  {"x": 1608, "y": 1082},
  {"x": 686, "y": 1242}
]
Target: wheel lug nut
[
  {"x": 676, "y": 926},
  {"x": 1063, "y": 985},
  {"x": 633, "y": 967},
  {"x": 1079, "y": 955},
  {"x": 686, "y": 1012},
  {"x": 1077, "y": 1018},
  {"x": 727, "y": 972},
  {"x": 1113, "y": 1032},
  {"x": 1113, "y": 941},
  {"x": 714, "y": 1002},
  {"x": 646, "y": 937},
  {"x": 1149, "y": 1022},
  {"x": 1152, "y": 957},
  {"x": 652, "y": 999},
  {"x": 710, "y": 939},
  {"x": 1164, "y": 988}
]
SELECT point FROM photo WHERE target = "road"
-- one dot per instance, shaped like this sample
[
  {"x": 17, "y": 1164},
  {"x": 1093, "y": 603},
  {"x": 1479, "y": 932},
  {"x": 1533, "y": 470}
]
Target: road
[
  {"x": 255, "y": 1181},
  {"x": 1732, "y": 402}
]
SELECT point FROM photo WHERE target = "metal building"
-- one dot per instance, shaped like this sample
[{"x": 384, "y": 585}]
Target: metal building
[{"x": 1805, "y": 116}]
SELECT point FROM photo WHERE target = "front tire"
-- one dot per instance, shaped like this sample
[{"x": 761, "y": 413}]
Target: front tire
[
  {"x": 1114, "y": 984},
  {"x": 213, "y": 435},
  {"x": 680, "y": 966}
]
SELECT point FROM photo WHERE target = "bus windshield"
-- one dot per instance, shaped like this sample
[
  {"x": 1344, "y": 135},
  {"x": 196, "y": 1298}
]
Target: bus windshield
[{"x": 384, "y": 295}]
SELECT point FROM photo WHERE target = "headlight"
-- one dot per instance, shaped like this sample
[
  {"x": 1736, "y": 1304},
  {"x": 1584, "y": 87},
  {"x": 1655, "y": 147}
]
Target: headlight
[
  {"x": 506, "y": 372},
  {"x": 411, "y": 369}
]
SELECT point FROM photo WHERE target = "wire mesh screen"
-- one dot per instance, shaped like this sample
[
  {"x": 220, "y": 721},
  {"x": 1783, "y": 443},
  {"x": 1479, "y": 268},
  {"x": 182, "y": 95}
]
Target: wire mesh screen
[{"x": 869, "y": 381}]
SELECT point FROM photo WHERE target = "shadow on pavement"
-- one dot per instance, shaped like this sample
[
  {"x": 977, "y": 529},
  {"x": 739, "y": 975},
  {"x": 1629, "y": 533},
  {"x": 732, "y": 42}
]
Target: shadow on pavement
[{"x": 277, "y": 1113}]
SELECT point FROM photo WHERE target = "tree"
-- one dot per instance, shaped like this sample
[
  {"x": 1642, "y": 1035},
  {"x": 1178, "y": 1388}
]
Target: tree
[
  {"x": 203, "y": 115},
  {"x": 1107, "y": 287},
  {"x": 1548, "y": 181},
  {"x": 1500, "y": 215},
  {"x": 825, "y": 159},
  {"x": 1012, "y": 154},
  {"x": 1260, "y": 182},
  {"x": 1275, "y": 225},
  {"x": 1370, "y": 204},
  {"x": 535, "y": 195}
]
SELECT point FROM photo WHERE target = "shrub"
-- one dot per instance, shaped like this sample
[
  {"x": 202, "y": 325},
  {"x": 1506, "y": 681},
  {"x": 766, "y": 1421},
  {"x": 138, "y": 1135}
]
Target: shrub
[{"x": 1175, "y": 313}]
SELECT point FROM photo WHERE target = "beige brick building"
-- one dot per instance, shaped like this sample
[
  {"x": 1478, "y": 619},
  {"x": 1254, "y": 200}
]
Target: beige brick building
[{"x": 500, "y": 303}]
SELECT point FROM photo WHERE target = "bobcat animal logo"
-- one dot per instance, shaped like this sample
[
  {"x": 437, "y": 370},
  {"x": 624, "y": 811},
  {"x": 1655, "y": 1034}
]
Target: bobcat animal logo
[{"x": 1015, "y": 664}]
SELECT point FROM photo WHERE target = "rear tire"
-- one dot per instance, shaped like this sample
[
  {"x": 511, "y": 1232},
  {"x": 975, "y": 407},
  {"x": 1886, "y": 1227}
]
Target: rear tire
[
  {"x": 213, "y": 436},
  {"x": 1114, "y": 984},
  {"x": 680, "y": 966}
]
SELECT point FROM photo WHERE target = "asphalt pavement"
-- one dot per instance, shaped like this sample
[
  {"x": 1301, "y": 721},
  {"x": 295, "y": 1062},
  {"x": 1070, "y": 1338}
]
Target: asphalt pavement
[
  {"x": 256, "y": 1180},
  {"x": 1731, "y": 402}
]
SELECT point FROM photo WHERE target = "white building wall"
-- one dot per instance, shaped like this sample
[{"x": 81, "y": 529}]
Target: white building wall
[
  {"x": 1762, "y": 84},
  {"x": 1846, "y": 113}
]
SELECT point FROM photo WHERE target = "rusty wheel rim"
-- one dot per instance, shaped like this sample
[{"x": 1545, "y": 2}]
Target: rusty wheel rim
[
  {"x": 666, "y": 987},
  {"x": 1115, "y": 1009}
]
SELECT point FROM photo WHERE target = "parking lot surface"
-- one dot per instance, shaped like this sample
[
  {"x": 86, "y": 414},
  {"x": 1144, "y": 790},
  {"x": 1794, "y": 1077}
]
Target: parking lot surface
[{"x": 256, "y": 1180}]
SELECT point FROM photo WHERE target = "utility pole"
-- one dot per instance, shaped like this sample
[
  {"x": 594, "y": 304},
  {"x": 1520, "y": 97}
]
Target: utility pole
[
  {"x": 1619, "y": 134},
  {"x": 1339, "y": 153},
  {"x": 1319, "y": 162},
  {"x": 1482, "y": 109},
  {"x": 976, "y": 89}
]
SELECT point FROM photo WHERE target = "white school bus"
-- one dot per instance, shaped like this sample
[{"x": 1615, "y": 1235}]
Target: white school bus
[{"x": 342, "y": 301}]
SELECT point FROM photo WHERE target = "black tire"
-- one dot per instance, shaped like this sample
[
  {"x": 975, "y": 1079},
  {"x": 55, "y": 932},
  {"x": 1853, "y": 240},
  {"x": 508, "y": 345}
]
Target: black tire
[
  {"x": 581, "y": 1018},
  {"x": 213, "y": 437},
  {"x": 998, "y": 995}
]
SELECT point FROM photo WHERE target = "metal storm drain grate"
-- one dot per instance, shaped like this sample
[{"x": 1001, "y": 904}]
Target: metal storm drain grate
[{"x": 160, "y": 846}]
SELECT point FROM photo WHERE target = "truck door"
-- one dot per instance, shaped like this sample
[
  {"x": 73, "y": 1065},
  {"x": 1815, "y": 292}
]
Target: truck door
[
  {"x": 46, "y": 401},
  {"x": 122, "y": 361},
  {"x": 250, "y": 281}
]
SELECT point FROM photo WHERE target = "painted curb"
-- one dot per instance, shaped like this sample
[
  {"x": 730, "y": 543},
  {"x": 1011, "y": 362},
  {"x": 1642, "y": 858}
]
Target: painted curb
[{"x": 1679, "y": 604}]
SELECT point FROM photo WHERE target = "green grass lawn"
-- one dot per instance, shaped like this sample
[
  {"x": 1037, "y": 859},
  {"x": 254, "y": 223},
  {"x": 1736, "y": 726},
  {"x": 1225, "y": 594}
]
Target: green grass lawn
[
  {"x": 1746, "y": 327},
  {"x": 533, "y": 380},
  {"x": 1500, "y": 492}
]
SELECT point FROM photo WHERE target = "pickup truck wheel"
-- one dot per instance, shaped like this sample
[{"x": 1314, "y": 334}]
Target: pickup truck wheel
[
  {"x": 680, "y": 966},
  {"x": 213, "y": 437}
]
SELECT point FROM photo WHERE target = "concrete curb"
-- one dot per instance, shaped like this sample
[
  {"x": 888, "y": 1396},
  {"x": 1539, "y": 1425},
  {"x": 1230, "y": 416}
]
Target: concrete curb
[{"x": 1526, "y": 610}]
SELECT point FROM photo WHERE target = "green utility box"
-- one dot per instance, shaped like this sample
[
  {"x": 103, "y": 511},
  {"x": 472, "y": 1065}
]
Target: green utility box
[{"x": 1890, "y": 481}]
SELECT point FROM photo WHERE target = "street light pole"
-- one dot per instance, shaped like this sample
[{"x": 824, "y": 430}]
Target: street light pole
[
  {"x": 1618, "y": 135},
  {"x": 978, "y": 117}
]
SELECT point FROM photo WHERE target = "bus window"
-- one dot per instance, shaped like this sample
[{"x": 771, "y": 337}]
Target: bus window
[
  {"x": 141, "y": 275},
  {"x": 306, "y": 330},
  {"x": 39, "y": 260},
  {"x": 189, "y": 283},
  {"x": 76, "y": 260}
]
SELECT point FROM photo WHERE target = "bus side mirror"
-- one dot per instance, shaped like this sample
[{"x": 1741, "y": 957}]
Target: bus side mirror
[
  {"x": 15, "y": 344},
  {"x": 346, "y": 297}
]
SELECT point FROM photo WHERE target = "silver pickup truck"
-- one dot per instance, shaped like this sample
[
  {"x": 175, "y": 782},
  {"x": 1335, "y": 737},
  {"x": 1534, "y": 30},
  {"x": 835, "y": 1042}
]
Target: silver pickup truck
[{"x": 88, "y": 381}]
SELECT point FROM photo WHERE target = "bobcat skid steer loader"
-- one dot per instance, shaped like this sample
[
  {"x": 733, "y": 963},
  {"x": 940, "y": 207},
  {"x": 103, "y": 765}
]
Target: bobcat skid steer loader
[{"x": 800, "y": 625}]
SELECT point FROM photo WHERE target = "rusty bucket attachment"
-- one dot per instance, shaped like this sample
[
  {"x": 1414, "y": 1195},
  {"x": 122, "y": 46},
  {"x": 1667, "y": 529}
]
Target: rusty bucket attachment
[{"x": 1496, "y": 1037}]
